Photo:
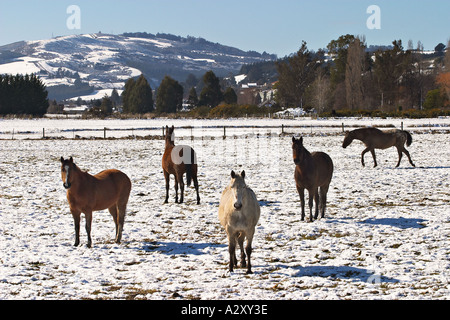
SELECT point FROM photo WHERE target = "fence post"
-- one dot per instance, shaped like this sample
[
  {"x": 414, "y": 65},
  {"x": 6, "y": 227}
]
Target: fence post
[
  {"x": 104, "y": 132},
  {"x": 224, "y": 132},
  {"x": 43, "y": 133},
  {"x": 343, "y": 130},
  {"x": 282, "y": 128},
  {"x": 402, "y": 125}
]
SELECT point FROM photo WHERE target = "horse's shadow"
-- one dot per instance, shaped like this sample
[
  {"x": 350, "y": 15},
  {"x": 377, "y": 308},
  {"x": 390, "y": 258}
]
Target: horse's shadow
[
  {"x": 179, "y": 248},
  {"x": 402, "y": 223},
  {"x": 341, "y": 272}
]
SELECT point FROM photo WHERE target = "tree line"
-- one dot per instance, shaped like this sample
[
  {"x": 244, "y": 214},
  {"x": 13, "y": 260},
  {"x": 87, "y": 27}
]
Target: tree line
[
  {"x": 357, "y": 79},
  {"x": 22, "y": 94},
  {"x": 137, "y": 96}
]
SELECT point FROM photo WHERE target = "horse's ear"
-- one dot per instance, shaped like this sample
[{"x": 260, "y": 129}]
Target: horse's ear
[
  {"x": 243, "y": 174},
  {"x": 293, "y": 139},
  {"x": 71, "y": 160},
  {"x": 233, "y": 174},
  {"x": 62, "y": 160},
  {"x": 301, "y": 140},
  {"x": 173, "y": 128}
]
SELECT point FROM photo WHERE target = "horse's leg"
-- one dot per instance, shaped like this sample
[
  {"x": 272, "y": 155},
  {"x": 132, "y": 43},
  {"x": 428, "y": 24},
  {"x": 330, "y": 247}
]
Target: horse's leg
[
  {"x": 240, "y": 240},
  {"x": 181, "y": 182},
  {"x": 120, "y": 220},
  {"x": 76, "y": 219},
  {"x": 176, "y": 188},
  {"x": 409, "y": 157},
  {"x": 301, "y": 192},
  {"x": 400, "y": 154},
  {"x": 372, "y": 151},
  {"x": 311, "y": 193},
  {"x": 323, "y": 199},
  {"x": 316, "y": 200},
  {"x": 88, "y": 216},
  {"x": 232, "y": 250},
  {"x": 167, "y": 178},
  {"x": 362, "y": 155},
  {"x": 113, "y": 211},
  {"x": 248, "y": 249},
  {"x": 196, "y": 187}
]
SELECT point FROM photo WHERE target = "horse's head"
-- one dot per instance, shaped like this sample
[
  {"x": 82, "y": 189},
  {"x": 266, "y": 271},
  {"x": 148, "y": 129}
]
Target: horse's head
[
  {"x": 170, "y": 136},
  {"x": 238, "y": 185},
  {"x": 67, "y": 167},
  {"x": 298, "y": 150},
  {"x": 348, "y": 139}
]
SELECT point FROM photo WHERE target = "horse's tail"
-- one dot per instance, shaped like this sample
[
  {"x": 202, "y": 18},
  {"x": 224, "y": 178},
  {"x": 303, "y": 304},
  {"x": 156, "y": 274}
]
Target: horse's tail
[
  {"x": 189, "y": 168},
  {"x": 188, "y": 174},
  {"x": 408, "y": 138}
]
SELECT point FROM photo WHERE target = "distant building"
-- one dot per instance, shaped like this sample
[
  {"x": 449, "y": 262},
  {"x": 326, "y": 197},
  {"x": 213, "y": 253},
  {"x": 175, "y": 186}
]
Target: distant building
[
  {"x": 260, "y": 95},
  {"x": 74, "y": 109}
]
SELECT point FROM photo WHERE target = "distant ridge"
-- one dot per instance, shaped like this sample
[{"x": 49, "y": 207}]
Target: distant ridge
[{"x": 76, "y": 65}]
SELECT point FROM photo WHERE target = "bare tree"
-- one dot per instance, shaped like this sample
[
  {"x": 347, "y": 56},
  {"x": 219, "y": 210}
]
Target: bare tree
[
  {"x": 321, "y": 91},
  {"x": 353, "y": 73}
]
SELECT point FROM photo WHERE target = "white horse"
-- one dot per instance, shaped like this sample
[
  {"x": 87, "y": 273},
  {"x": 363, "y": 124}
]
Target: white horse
[{"x": 239, "y": 213}]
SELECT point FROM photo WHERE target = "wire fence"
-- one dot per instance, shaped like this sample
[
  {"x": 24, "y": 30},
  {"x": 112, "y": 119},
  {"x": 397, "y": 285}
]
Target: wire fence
[{"x": 206, "y": 131}]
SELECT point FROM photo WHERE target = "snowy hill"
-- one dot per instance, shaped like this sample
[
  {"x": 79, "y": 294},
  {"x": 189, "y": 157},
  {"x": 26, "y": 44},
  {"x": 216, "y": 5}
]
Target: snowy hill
[{"x": 105, "y": 61}]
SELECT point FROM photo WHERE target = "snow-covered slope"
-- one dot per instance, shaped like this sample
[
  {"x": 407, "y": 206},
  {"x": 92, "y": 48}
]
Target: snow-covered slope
[{"x": 107, "y": 61}]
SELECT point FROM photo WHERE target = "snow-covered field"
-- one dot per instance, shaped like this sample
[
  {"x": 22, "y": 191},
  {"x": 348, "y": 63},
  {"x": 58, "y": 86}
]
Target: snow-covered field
[{"x": 385, "y": 234}]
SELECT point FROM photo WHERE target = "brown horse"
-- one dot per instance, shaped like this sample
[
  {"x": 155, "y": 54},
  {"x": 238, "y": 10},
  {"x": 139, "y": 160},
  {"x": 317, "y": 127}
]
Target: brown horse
[
  {"x": 374, "y": 138},
  {"x": 313, "y": 171},
  {"x": 178, "y": 160},
  {"x": 109, "y": 189}
]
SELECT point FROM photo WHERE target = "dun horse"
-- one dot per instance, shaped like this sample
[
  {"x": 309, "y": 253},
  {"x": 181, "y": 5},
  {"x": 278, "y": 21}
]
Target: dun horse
[
  {"x": 374, "y": 138},
  {"x": 178, "y": 160},
  {"x": 313, "y": 172},
  {"x": 109, "y": 189},
  {"x": 239, "y": 212}
]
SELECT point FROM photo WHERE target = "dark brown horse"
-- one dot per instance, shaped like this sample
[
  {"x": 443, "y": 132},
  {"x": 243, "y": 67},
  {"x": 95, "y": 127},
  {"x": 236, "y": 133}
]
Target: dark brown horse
[
  {"x": 109, "y": 189},
  {"x": 374, "y": 138},
  {"x": 178, "y": 160},
  {"x": 313, "y": 171}
]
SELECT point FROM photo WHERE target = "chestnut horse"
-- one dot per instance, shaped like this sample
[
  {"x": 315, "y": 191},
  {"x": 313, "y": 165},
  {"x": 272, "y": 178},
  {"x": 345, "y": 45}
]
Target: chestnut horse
[
  {"x": 374, "y": 138},
  {"x": 109, "y": 189},
  {"x": 178, "y": 160},
  {"x": 313, "y": 171}
]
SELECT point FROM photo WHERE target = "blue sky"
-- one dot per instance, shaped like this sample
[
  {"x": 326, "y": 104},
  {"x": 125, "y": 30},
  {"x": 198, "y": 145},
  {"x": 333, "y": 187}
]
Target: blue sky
[{"x": 261, "y": 25}]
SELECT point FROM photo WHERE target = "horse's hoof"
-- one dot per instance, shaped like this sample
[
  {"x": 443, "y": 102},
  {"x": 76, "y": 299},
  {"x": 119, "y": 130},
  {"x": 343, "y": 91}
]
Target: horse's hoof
[{"x": 249, "y": 272}]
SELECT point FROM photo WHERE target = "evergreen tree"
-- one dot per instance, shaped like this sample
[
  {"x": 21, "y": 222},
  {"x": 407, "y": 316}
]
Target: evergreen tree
[
  {"x": 115, "y": 98},
  {"x": 127, "y": 96},
  {"x": 137, "y": 96},
  {"x": 107, "y": 105},
  {"x": 193, "y": 98},
  {"x": 143, "y": 96},
  {"x": 230, "y": 96},
  {"x": 295, "y": 75},
  {"x": 389, "y": 67},
  {"x": 169, "y": 97},
  {"x": 211, "y": 94}
]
